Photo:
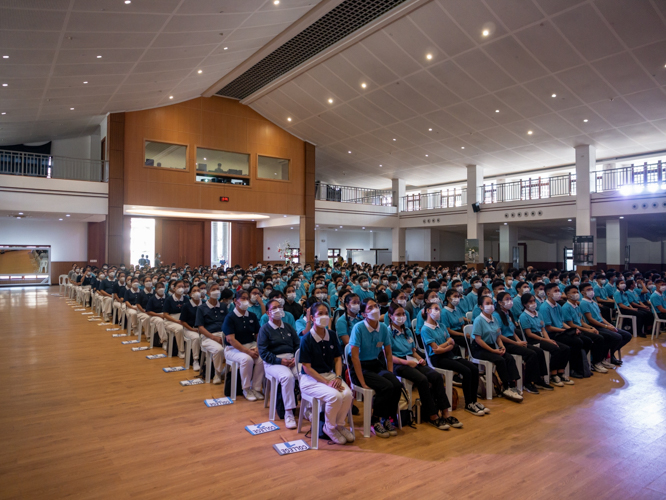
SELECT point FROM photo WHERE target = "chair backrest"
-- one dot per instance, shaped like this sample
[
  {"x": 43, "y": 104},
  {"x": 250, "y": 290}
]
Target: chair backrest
[
  {"x": 414, "y": 324},
  {"x": 522, "y": 332},
  {"x": 654, "y": 310},
  {"x": 468, "y": 315},
  {"x": 297, "y": 358},
  {"x": 467, "y": 333}
]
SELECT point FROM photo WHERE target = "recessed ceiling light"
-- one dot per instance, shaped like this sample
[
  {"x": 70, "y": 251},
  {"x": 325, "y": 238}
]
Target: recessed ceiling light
[
  {"x": 506, "y": 223},
  {"x": 226, "y": 48},
  {"x": 289, "y": 119},
  {"x": 585, "y": 120},
  {"x": 621, "y": 217},
  {"x": 349, "y": 152},
  {"x": 485, "y": 32},
  {"x": 205, "y": 159},
  {"x": 429, "y": 57},
  {"x": 127, "y": 2},
  {"x": 330, "y": 101},
  {"x": 99, "y": 57},
  {"x": 462, "y": 147},
  {"x": 59, "y": 219},
  {"x": 497, "y": 111},
  {"x": 4, "y": 84},
  {"x": 554, "y": 95},
  {"x": 340, "y": 227},
  {"x": 20, "y": 213},
  {"x": 276, "y": 2},
  {"x": 381, "y": 165},
  {"x": 85, "y": 83},
  {"x": 529, "y": 132},
  {"x": 394, "y": 139},
  {"x": 67, "y": 215},
  {"x": 426, "y": 156},
  {"x": 569, "y": 220},
  {"x": 5, "y": 57},
  {"x": 200, "y": 71},
  {"x": 363, "y": 227},
  {"x": 4, "y": 113},
  {"x": 363, "y": 85},
  {"x": 71, "y": 109},
  {"x": 429, "y": 130},
  {"x": 170, "y": 97}
]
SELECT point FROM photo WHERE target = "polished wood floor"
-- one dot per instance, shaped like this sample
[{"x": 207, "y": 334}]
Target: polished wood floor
[{"x": 83, "y": 416}]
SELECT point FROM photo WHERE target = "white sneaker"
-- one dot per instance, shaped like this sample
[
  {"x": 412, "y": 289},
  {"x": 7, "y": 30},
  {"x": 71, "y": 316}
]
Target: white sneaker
[
  {"x": 335, "y": 436},
  {"x": 164, "y": 345},
  {"x": 511, "y": 395},
  {"x": 196, "y": 367},
  {"x": 217, "y": 380},
  {"x": 608, "y": 365},
  {"x": 556, "y": 380},
  {"x": 289, "y": 421},
  {"x": 181, "y": 354},
  {"x": 258, "y": 394},
  {"x": 249, "y": 395},
  {"x": 346, "y": 433},
  {"x": 600, "y": 368}
]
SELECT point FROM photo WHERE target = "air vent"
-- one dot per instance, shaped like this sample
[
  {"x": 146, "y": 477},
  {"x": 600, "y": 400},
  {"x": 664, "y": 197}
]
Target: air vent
[{"x": 343, "y": 20}]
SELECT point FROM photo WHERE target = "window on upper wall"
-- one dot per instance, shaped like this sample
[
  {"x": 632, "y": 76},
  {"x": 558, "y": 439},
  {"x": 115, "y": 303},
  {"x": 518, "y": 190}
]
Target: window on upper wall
[
  {"x": 223, "y": 167},
  {"x": 162, "y": 154},
  {"x": 272, "y": 168}
]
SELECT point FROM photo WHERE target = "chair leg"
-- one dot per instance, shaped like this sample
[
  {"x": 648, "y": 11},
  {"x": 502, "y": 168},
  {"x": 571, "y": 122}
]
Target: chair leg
[
  {"x": 547, "y": 356},
  {"x": 300, "y": 415},
  {"x": 314, "y": 428},
  {"x": 519, "y": 365},
  {"x": 566, "y": 370},
  {"x": 350, "y": 417},
  {"x": 489, "y": 382},
  {"x": 367, "y": 415},
  {"x": 209, "y": 365},
  {"x": 449, "y": 388},
  {"x": 169, "y": 342},
  {"x": 234, "y": 381}
]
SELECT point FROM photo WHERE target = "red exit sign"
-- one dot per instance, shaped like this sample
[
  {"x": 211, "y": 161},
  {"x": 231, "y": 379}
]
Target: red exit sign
[{"x": 224, "y": 198}]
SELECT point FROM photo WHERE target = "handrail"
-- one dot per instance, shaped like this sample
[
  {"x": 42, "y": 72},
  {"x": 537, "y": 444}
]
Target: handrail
[
  {"x": 529, "y": 189},
  {"x": 448, "y": 198},
  {"x": 53, "y": 167},
  {"x": 352, "y": 194},
  {"x": 631, "y": 179}
]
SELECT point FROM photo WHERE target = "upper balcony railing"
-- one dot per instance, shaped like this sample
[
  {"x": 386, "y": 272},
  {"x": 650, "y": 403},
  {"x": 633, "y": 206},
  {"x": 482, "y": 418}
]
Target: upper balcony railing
[
  {"x": 634, "y": 179},
  {"x": 448, "y": 198},
  {"x": 529, "y": 189},
  {"x": 351, "y": 194},
  {"x": 53, "y": 167}
]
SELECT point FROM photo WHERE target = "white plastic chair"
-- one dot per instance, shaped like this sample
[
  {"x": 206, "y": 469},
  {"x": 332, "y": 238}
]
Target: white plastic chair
[
  {"x": 447, "y": 374},
  {"x": 316, "y": 406},
  {"x": 270, "y": 402},
  {"x": 656, "y": 323},
  {"x": 468, "y": 315},
  {"x": 488, "y": 366},
  {"x": 621, "y": 317},
  {"x": 63, "y": 280},
  {"x": 188, "y": 350},
  {"x": 362, "y": 394}
]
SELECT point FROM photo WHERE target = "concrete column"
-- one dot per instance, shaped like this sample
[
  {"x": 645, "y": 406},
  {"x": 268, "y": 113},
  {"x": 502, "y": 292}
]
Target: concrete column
[
  {"x": 474, "y": 229},
  {"x": 508, "y": 240},
  {"x": 586, "y": 157},
  {"x": 399, "y": 190},
  {"x": 398, "y": 247},
  {"x": 616, "y": 241}
]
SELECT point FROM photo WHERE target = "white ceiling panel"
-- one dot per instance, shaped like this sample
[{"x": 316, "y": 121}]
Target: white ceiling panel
[
  {"x": 636, "y": 22},
  {"x": 624, "y": 74}
]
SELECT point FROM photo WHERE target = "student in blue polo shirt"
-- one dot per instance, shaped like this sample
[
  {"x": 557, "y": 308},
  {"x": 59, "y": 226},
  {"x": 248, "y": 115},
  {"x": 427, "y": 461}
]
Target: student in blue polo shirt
[
  {"x": 240, "y": 330},
  {"x": 615, "y": 338},
  {"x": 534, "y": 328},
  {"x": 453, "y": 318},
  {"x": 346, "y": 322},
  {"x": 606, "y": 303},
  {"x": 551, "y": 313},
  {"x": 658, "y": 298},
  {"x": 441, "y": 349},
  {"x": 409, "y": 365},
  {"x": 210, "y": 319},
  {"x": 363, "y": 288},
  {"x": 643, "y": 318},
  {"x": 369, "y": 339},
  {"x": 487, "y": 344}
]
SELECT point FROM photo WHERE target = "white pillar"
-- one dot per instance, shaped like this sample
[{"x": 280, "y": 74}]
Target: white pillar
[
  {"x": 398, "y": 247},
  {"x": 586, "y": 157},
  {"x": 508, "y": 240},
  {"x": 616, "y": 241},
  {"x": 474, "y": 185},
  {"x": 399, "y": 189}
]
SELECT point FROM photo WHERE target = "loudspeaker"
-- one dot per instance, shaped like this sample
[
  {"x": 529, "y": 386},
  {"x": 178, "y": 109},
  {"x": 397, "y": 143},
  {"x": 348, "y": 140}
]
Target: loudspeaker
[{"x": 476, "y": 207}]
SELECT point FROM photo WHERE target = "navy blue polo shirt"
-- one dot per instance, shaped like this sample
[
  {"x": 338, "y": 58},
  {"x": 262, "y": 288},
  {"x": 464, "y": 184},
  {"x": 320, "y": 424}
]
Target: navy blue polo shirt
[
  {"x": 132, "y": 297},
  {"x": 156, "y": 304},
  {"x": 107, "y": 285},
  {"x": 119, "y": 289},
  {"x": 188, "y": 313},
  {"x": 173, "y": 306},
  {"x": 88, "y": 281},
  {"x": 320, "y": 354},
  {"x": 211, "y": 318},
  {"x": 245, "y": 328},
  {"x": 144, "y": 297}
]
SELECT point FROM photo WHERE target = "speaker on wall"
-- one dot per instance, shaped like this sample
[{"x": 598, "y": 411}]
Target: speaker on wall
[{"x": 476, "y": 207}]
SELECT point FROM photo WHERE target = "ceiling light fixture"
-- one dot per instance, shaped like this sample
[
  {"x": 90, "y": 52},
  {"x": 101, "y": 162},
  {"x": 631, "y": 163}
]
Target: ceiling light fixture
[
  {"x": 585, "y": 120},
  {"x": 349, "y": 152},
  {"x": 67, "y": 215},
  {"x": 289, "y": 118},
  {"x": 200, "y": 71},
  {"x": 59, "y": 219},
  {"x": 381, "y": 165},
  {"x": 330, "y": 101},
  {"x": 4, "y": 113},
  {"x": 529, "y": 132},
  {"x": 394, "y": 139},
  {"x": 429, "y": 57},
  {"x": 276, "y": 2},
  {"x": 20, "y": 213},
  {"x": 426, "y": 156},
  {"x": 569, "y": 220},
  {"x": 497, "y": 111},
  {"x": 85, "y": 83},
  {"x": 127, "y": 2},
  {"x": 99, "y": 57},
  {"x": 363, "y": 85},
  {"x": 429, "y": 130},
  {"x": 226, "y": 48},
  {"x": 506, "y": 223},
  {"x": 5, "y": 57},
  {"x": 170, "y": 97},
  {"x": 462, "y": 147},
  {"x": 554, "y": 95},
  {"x": 4, "y": 85},
  {"x": 71, "y": 109},
  {"x": 621, "y": 217},
  {"x": 485, "y": 32}
]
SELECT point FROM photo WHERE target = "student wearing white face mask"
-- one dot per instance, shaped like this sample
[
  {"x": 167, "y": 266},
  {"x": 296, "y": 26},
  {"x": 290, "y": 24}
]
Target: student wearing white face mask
[
  {"x": 240, "y": 329},
  {"x": 346, "y": 322},
  {"x": 453, "y": 318},
  {"x": 291, "y": 304},
  {"x": 106, "y": 287},
  {"x": 173, "y": 306},
  {"x": 155, "y": 310},
  {"x": 188, "y": 318},
  {"x": 131, "y": 300},
  {"x": 277, "y": 343},
  {"x": 210, "y": 318}
]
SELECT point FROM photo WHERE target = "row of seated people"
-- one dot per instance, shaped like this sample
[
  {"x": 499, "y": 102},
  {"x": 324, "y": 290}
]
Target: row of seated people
[{"x": 260, "y": 317}]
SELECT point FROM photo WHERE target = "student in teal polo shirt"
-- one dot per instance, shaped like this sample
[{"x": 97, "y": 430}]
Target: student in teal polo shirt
[
  {"x": 486, "y": 344},
  {"x": 658, "y": 298},
  {"x": 363, "y": 288},
  {"x": 643, "y": 318},
  {"x": 409, "y": 365},
  {"x": 369, "y": 339},
  {"x": 347, "y": 321},
  {"x": 453, "y": 317}
]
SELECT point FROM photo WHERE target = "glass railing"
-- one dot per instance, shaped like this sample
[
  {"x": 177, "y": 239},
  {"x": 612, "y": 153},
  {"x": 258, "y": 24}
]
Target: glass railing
[
  {"x": 53, "y": 167},
  {"x": 351, "y": 194},
  {"x": 529, "y": 189},
  {"x": 448, "y": 198},
  {"x": 634, "y": 179}
]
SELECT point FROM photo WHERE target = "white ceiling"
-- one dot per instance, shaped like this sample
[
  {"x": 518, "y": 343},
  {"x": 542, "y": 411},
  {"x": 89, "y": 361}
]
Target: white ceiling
[
  {"x": 604, "y": 59},
  {"x": 151, "y": 49}
]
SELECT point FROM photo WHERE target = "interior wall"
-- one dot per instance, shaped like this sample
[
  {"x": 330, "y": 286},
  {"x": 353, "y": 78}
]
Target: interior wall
[
  {"x": 68, "y": 239},
  {"x": 246, "y": 243},
  {"x": 418, "y": 245},
  {"x": 77, "y": 147},
  {"x": 275, "y": 237}
]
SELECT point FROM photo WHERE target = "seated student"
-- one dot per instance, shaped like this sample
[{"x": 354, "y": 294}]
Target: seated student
[
  {"x": 606, "y": 303},
  {"x": 277, "y": 343},
  {"x": 173, "y": 306},
  {"x": 510, "y": 283},
  {"x": 240, "y": 329},
  {"x": 409, "y": 365},
  {"x": 399, "y": 298},
  {"x": 469, "y": 301},
  {"x": 291, "y": 304},
  {"x": 486, "y": 344},
  {"x": 131, "y": 300},
  {"x": 383, "y": 302},
  {"x": 415, "y": 303},
  {"x": 155, "y": 310},
  {"x": 533, "y": 356},
  {"x": 321, "y": 367},
  {"x": 287, "y": 318},
  {"x": 210, "y": 319},
  {"x": 522, "y": 287},
  {"x": 643, "y": 318},
  {"x": 616, "y": 339},
  {"x": 363, "y": 288},
  {"x": 534, "y": 328},
  {"x": 540, "y": 292},
  {"x": 351, "y": 316},
  {"x": 188, "y": 318},
  {"x": 452, "y": 318},
  {"x": 658, "y": 298},
  {"x": 144, "y": 296},
  {"x": 443, "y": 354},
  {"x": 430, "y": 297},
  {"x": 257, "y": 306},
  {"x": 106, "y": 287},
  {"x": 368, "y": 340},
  {"x": 572, "y": 316},
  {"x": 482, "y": 292}
]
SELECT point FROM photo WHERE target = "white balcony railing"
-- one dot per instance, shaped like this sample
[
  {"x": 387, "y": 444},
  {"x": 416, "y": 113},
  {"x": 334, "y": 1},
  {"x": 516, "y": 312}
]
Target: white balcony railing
[{"x": 53, "y": 167}]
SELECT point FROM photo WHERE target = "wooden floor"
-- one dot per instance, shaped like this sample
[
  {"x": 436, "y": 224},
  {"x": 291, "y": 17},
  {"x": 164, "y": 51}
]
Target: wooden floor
[{"x": 83, "y": 416}]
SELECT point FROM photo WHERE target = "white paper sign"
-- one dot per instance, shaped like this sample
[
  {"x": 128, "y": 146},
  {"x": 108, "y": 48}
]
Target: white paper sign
[
  {"x": 194, "y": 381},
  {"x": 112, "y": 329},
  {"x": 125, "y": 342},
  {"x": 170, "y": 369},
  {"x": 86, "y": 314},
  {"x": 261, "y": 428},
  {"x": 291, "y": 447},
  {"x": 80, "y": 309},
  {"x": 103, "y": 324},
  {"x": 120, "y": 335},
  {"x": 142, "y": 348},
  {"x": 210, "y": 403},
  {"x": 156, "y": 356}
]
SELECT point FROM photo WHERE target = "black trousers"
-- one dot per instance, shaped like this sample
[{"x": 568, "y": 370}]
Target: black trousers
[
  {"x": 606, "y": 312},
  {"x": 644, "y": 320},
  {"x": 534, "y": 360},
  {"x": 599, "y": 346},
  {"x": 505, "y": 365},
  {"x": 615, "y": 341},
  {"x": 468, "y": 370},
  {"x": 430, "y": 385},
  {"x": 559, "y": 354},
  {"x": 386, "y": 386},
  {"x": 576, "y": 343}
]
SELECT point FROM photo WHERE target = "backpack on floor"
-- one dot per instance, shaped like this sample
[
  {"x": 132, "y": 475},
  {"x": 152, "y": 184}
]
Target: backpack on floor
[
  {"x": 406, "y": 413},
  {"x": 497, "y": 386},
  {"x": 227, "y": 384},
  {"x": 587, "y": 372},
  {"x": 454, "y": 399}
]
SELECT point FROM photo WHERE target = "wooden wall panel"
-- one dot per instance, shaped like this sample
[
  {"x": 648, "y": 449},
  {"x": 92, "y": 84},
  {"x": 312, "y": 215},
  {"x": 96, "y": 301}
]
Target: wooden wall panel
[
  {"x": 182, "y": 241},
  {"x": 118, "y": 241},
  {"x": 97, "y": 243},
  {"x": 247, "y": 243},
  {"x": 58, "y": 268}
]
